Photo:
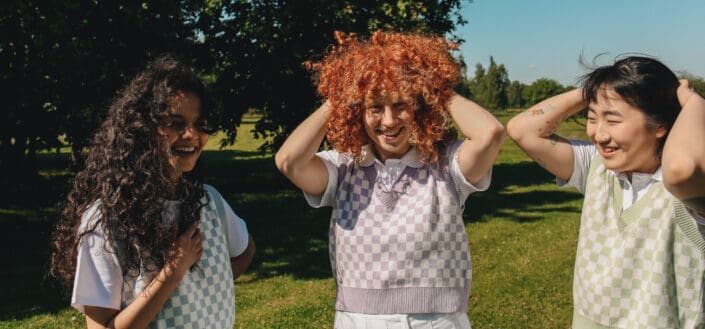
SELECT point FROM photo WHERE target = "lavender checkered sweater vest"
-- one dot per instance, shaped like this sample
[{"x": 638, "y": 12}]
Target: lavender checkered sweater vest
[{"x": 403, "y": 249}]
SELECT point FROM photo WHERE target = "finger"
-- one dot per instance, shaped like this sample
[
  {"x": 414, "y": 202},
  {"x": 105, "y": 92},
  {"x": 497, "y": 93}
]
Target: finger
[{"x": 196, "y": 232}]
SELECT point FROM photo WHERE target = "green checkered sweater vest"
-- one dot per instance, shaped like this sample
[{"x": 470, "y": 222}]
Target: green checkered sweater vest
[
  {"x": 638, "y": 268},
  {"x": 205, "y": 297}
]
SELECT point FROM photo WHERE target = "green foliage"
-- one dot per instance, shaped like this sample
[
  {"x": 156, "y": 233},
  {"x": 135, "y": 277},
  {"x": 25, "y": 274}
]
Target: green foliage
[
  {"x": 488, "y": 88},
  {"x": 522, "y": 233},
  {"x": 541, "y": 89},
  {"x": 695, "y": 82},
  {"x": 257, "y": 49},
  {"x": 67, "y": 59},
  {"x": 492, "y": 89},
  {"x": 515, "y": 95}
]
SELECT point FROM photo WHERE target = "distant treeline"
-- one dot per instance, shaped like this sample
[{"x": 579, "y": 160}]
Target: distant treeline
[{"x": 492, "y": 88}]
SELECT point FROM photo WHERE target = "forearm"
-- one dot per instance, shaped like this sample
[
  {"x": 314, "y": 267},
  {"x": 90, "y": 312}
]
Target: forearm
[
  {"x": 534, "y": 132},
  {"x": 241, "y": 262},
  {"x": 142, "y": 311},
  {"x": 474, "y": 122},
  {"x": 303, "y": 143},
  {"x": 683, "y": 158},
  {"x": 484, "y": 138},
  {"x": 542, "y": 120}
]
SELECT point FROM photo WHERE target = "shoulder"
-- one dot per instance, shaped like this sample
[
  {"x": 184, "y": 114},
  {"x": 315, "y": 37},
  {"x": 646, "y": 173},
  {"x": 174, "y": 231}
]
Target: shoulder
[
  {"x": 212, "y": 191},
  {"x": 336, "y": 158},
  {"x": 90, "y": 219}
]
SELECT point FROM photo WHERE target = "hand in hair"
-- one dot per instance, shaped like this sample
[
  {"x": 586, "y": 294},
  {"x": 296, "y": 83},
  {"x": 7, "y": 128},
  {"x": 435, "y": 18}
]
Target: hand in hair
[{"x": 683, "y": 161}]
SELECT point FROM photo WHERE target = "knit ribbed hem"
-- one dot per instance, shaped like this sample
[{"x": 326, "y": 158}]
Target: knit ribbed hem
[
  {"x": 689, "y": 226},
  {"x": 402, "y": 300}
]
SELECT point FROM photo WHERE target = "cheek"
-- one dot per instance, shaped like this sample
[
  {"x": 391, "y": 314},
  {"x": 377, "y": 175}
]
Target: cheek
[
  {"x": 590, "y": 130},
  {"x": 203, "y": 139}
]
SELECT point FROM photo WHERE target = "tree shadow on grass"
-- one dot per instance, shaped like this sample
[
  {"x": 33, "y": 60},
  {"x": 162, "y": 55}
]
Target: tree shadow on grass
[
  {"x": 291, "y": 237},
  {"x": 24, "y": 285},
  {"x": 515, "y": 190}
]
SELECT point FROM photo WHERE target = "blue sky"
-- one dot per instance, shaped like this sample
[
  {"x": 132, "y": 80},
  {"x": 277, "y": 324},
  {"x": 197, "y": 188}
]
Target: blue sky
[{"x": 544, "y": 38}]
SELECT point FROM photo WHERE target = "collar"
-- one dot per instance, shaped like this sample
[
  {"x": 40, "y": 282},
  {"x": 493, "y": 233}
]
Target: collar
[
  {"x": 638, "y": 176},
  {"x": 409, "y": 159}
]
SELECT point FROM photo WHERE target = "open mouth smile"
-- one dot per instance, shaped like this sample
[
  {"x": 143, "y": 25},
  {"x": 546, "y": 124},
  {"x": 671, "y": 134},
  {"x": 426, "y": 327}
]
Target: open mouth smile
[
  {"x": 388, "y": 135},
  {"x": 608, "y": 151},
  {"x": 184, "y": 150}
]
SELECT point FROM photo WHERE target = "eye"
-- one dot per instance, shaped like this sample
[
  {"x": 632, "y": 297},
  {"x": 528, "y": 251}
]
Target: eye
[
  {"x": 375, "y": 109},
  {"x": 204, "y": 127},
  {"x": 176, "y": 124},
  {"x": 400, "y": 106}
]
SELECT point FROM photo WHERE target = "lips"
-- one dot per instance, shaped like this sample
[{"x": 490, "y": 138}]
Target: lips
[
  {"x": 389, "y": 135},
  {"x": 183, "y": 149},
  {"x": 608, "y": 151}
]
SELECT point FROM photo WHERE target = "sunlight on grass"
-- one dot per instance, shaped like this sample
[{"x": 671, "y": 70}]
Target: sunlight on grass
[{"x": 522, "y": 234}]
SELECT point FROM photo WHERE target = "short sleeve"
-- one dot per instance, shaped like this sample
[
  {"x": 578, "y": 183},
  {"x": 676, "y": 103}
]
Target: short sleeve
[
  {"x": 235, "y": 232},
  {"x": 333, "y": 161},
  {"x": 459, "y": 180},
  {"x": 583, "y": 153},
  {"x": 98, "y": 281}
]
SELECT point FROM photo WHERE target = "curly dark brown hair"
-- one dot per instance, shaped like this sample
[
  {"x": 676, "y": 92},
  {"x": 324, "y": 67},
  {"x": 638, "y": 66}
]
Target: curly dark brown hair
[
  {"x": 415, "y": 66},
  {"x": 127, "y": 174}
]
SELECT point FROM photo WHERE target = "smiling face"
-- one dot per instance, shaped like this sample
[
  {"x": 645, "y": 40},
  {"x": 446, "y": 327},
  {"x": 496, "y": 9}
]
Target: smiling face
[
  {"x": 622, "y": 135},
  {"x": 185, "y": 132},
  {"x": 389, "y": 123}
]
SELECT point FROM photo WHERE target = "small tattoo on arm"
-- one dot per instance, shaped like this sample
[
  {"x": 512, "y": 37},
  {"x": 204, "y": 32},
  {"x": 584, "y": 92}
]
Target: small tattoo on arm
[{"x": 537, "y": 112}]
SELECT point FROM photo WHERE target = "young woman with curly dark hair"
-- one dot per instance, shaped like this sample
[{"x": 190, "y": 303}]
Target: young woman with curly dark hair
[
  {"x": 141, "y": 238},
  {"x": 395, "y": 178}
]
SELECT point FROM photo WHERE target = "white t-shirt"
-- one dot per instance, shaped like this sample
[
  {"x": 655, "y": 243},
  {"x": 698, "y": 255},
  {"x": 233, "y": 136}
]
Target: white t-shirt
[
  {"x": 632, "y": 190},
  {"x": 99, "y": 280}
]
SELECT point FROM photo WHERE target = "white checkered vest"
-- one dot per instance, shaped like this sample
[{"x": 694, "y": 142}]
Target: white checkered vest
[
  {"x": 205, "y": 297},
  {"x": 403, "y": 249},
  {"x": 641, "y": 268}
]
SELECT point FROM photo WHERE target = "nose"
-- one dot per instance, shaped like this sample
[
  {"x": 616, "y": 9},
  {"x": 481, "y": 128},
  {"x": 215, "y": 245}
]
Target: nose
[
  {"x": 601, "y": 134},
  {"x": 188, "y": 132},
  {"x": 389, "y": 118}
]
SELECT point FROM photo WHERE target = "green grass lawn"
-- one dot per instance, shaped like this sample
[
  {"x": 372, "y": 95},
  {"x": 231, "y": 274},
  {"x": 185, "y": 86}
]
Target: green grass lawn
[{"x": 522, "y": 233}]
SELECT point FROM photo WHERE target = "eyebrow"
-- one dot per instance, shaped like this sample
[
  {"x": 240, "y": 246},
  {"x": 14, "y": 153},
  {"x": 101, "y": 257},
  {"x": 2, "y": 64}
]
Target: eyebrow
[{"x": 606, "y": 113}]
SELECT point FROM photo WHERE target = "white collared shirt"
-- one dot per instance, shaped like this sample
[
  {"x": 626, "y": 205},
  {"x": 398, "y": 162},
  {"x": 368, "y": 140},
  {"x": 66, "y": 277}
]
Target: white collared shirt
[
  {"x": 632, "y": 190},
  {"x": 389, "y": 172}
]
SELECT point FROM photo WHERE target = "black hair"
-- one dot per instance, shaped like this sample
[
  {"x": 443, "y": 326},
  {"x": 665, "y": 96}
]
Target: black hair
[{"x": 642, "y": 82}]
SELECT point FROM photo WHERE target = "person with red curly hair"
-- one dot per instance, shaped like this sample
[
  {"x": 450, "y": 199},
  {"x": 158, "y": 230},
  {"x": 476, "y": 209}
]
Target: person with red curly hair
[{"x": 396, "y": 180}]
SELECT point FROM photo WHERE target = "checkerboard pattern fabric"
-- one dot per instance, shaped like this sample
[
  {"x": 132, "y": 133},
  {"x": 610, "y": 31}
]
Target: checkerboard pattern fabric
[
  {"x": 205, "y": 298},
  {"x": 409, "y": 237},
  {"x": 637, "y": 268}
]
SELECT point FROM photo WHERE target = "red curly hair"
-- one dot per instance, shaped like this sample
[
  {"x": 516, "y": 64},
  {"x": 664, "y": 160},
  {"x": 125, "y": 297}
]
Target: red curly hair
[{"x": 415, "y": 66}]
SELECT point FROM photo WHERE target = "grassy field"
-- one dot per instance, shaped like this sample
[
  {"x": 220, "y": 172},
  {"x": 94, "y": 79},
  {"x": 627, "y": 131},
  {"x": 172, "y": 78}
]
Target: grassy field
[{"x": 522, "y": 234}]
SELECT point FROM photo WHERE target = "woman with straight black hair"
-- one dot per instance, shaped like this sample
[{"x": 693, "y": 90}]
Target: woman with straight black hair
[{"x": 641, "y": 255}]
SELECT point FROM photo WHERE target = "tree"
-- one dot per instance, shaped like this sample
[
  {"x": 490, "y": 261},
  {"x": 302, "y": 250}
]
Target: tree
[
  {"x": 541, "y": 89},
  {"x": 257, "y": 50},
  {"x": 489, "y": 88},
  {"x": 515, "y": 97},
  {"x": 65, "y": 61}
]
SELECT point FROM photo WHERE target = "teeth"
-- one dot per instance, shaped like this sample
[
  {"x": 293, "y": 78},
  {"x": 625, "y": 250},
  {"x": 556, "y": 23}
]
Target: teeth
[{"x": 185, "y": 148}]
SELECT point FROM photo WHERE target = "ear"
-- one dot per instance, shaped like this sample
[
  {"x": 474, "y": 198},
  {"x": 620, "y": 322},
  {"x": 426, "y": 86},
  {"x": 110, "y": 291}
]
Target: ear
[{"x": 661, "y": 131}]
